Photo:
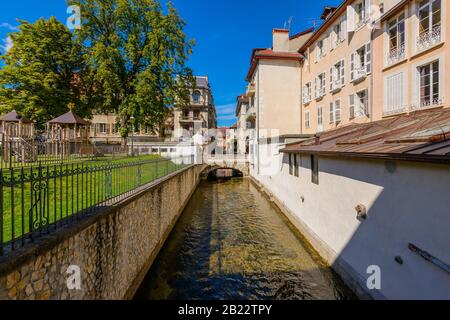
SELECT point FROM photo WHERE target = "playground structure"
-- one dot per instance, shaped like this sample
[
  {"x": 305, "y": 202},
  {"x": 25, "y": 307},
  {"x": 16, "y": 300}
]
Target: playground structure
[
  {"x": 17, "y": 138},
  {"x": 65, "y": 137}
]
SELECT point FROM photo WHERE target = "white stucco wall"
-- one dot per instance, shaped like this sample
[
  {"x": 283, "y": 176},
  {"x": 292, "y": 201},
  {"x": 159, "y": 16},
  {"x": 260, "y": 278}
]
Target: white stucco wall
[{"x": 407, "y": 205}]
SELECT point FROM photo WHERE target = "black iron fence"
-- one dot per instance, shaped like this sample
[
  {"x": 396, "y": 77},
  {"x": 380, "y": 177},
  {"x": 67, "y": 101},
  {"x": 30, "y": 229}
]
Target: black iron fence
[{"x": 38, "y": 200}]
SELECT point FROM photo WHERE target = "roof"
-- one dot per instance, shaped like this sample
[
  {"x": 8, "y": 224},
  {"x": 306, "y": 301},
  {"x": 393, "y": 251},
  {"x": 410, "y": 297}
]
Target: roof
[
  {"x": 13, "y": 116},
  {"x": 328, "y": 22},
  {"x": 69, "y": 118},
  {"x": 234, "y": 126},
  {"x": 327, "y": 11},
  {"x": 420, "y": 136},
  {"x": 258, "y": 54},
  {"x": 302, "y": 33}
]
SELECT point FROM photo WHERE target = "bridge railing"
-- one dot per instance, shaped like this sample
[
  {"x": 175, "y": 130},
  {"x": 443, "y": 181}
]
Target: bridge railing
[{"x": 227, "y": 157}]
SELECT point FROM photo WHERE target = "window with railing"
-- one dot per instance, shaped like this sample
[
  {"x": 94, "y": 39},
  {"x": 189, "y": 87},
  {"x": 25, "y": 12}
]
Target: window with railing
[
  {"x": 320, "y": 50},
  {"x": 337, "y": 76},
  {"x": 320, "y": 85},
  {"x": 359, "y": 104},
  {"x": 397, "y": 39},
  {"x": 362, "y": 13},
  {"x": 196, "y": 96},
  {"x": 429, "y": 85},
  {"x": 360, "y": 64},
  {"x": 429, "y": 14},
  {"x": 307, "y": 92}
]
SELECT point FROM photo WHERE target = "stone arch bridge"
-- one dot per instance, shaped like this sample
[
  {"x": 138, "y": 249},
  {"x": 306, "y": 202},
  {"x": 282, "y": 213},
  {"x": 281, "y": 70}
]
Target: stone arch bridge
[{"x": 226, "y": 161}]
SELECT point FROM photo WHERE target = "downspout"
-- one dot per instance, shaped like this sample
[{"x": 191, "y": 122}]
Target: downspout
[{"x": 257, "y": 118}]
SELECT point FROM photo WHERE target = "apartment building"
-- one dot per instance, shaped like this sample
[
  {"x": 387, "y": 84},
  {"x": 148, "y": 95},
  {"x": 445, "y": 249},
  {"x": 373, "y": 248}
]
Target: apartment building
[
  {"x": 199, "y": 116},
  {"x": 338, "y": 66},
  {"x": 410, "y": 61},
  {"x": 245, "y": 125}
]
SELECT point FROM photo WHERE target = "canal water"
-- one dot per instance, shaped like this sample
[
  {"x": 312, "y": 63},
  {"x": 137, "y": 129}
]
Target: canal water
[{"x": 232, "y": 243}]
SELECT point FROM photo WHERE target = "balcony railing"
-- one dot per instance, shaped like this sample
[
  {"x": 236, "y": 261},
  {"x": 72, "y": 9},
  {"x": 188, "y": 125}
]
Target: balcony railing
[
  {"x": 336, "y": 85},
  {"x": 320, "y": 93},
  {"x": 307, "y": 98},
  {"x": 428, "y": 39},
  {"x": 428, "y": 103},
  {"x": 360, "y": 73},
  {"x": 396, "y": 54},
  {"x": 362, "y": 22}
]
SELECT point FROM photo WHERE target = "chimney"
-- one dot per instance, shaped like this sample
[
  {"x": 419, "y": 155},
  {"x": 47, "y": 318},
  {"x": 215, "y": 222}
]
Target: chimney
[{"x": 280, "y": 40}]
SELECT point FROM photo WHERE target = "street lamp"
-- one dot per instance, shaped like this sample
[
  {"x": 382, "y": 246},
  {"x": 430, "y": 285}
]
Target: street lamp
[{"x": 132, "y": 136}]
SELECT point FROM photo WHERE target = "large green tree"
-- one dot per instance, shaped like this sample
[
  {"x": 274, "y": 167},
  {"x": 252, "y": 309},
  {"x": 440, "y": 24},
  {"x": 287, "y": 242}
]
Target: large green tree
[
  {"x": 43, "y": 72},
  {"x": 137, "y": 53}
]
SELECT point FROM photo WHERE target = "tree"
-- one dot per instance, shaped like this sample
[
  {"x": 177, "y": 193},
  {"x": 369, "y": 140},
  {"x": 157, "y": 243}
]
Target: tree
[
  {"x": 138, "y": 55},
  {"x": 43, "y": 72}
]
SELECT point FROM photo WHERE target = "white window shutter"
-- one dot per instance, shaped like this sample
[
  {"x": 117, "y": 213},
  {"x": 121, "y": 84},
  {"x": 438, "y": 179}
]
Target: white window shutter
[
  {"x": 366, "y": 103},
  {"x": 342, "y": 72},
  {"x": 352, "y": 67},
  {"x": 368, "y": 58},
  {"x": 350, "y": 19},
  {"x": 324, "y": 47},
  {"x": 331, "y": 78},
  {"x": 367, "y": 10},
  {"x": 337, "y": 111},
  {"x": 352, "y": 106},
  {"x": 331, "y": 112},
  {"x": 343, "y": 27}
]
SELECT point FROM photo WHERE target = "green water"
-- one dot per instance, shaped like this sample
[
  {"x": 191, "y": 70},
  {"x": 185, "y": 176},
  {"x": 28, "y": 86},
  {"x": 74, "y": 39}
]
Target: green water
[{"x": 232, "y": 243}]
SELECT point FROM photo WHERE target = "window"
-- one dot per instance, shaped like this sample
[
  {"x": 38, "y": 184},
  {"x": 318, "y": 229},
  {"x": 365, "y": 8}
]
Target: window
[
  {"x": 307, "y": 92},
  {"x": 307, "y": 120},
  {"x": 359, "y": 104},
  {"x": 196, "y": 115},
  {"x": 337, "y": 34},
  {"x": 394, "y": 93},
  {"x": 360, "y": 64},
  {"x": 291, "y": 169},
  {"x": 362, "y": 13},
  {"x": 185, "y": 114},
  {"x": 296, "y": 162},
  {"x": 103, "y": 128},
  {"x": 337, "y": 76},
  {"x": 320, "y": 50},
  {"x": 320, "y": 85},
  {"x": 196, "y": 97},
  {"x": 314, "y": 169},
  {"x": 429, "y": 84},
  {"x": 335, "y": 111},
  {"x": 396, "y": 33},
  {"x": 429, "y": 24},
  {"x": 319, "y": 119}
]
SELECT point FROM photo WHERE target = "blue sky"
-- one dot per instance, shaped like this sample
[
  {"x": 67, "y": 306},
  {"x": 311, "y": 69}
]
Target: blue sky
[{"x": 225, "y": 32}]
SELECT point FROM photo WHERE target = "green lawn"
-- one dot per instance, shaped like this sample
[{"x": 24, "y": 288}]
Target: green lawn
[{"x": 62, "y": 190}]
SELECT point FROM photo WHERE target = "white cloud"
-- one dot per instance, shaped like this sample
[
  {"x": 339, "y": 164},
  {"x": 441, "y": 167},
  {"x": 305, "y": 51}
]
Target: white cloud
[
  {"x": 226, "y": 109},
  {"x": 7, "y": 44},
  {"x": 8, "y": 26}
]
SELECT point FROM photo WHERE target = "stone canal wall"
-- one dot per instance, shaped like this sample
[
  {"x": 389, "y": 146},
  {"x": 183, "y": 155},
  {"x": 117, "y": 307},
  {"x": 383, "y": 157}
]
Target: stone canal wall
[{"x": 112, "y": 250}]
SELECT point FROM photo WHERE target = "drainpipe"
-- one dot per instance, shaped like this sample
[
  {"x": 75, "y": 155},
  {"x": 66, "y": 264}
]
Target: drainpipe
[{"x": 257, "y": 119}]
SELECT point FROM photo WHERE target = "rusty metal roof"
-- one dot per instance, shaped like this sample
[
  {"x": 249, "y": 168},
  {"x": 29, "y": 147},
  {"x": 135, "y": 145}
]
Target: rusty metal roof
[
  {"x": 419, "y": 136},
  {"x": 69, "y": 118},
  {"x": 13, "y": 116}
]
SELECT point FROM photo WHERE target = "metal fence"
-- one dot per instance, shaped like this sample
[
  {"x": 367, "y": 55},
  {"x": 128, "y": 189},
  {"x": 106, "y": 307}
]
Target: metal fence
[{"x": 38, "y": 200}]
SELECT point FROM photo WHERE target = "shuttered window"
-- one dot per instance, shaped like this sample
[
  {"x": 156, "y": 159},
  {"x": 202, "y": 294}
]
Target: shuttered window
[{"x": 395, "y": 95}]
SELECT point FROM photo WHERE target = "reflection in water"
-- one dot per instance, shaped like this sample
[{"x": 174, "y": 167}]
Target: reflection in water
[{"x": 231, "y": 243}]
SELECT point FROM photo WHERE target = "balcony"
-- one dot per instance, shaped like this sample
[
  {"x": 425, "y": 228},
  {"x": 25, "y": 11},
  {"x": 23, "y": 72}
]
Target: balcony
[
  {"x": 251, "y": 89},
  {"x": 336, "y": 85},
  {"x": 306, "y": 98},
  {"x": 320, "y": 93},
  {"x": 428, "y": 39},
  {"x": 360, "y": 74},
  {"x": 396, "y": 55}
]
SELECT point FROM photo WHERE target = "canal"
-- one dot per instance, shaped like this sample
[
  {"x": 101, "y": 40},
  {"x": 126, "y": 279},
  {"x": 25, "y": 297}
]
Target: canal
[{"x": 232, "y": 243}]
